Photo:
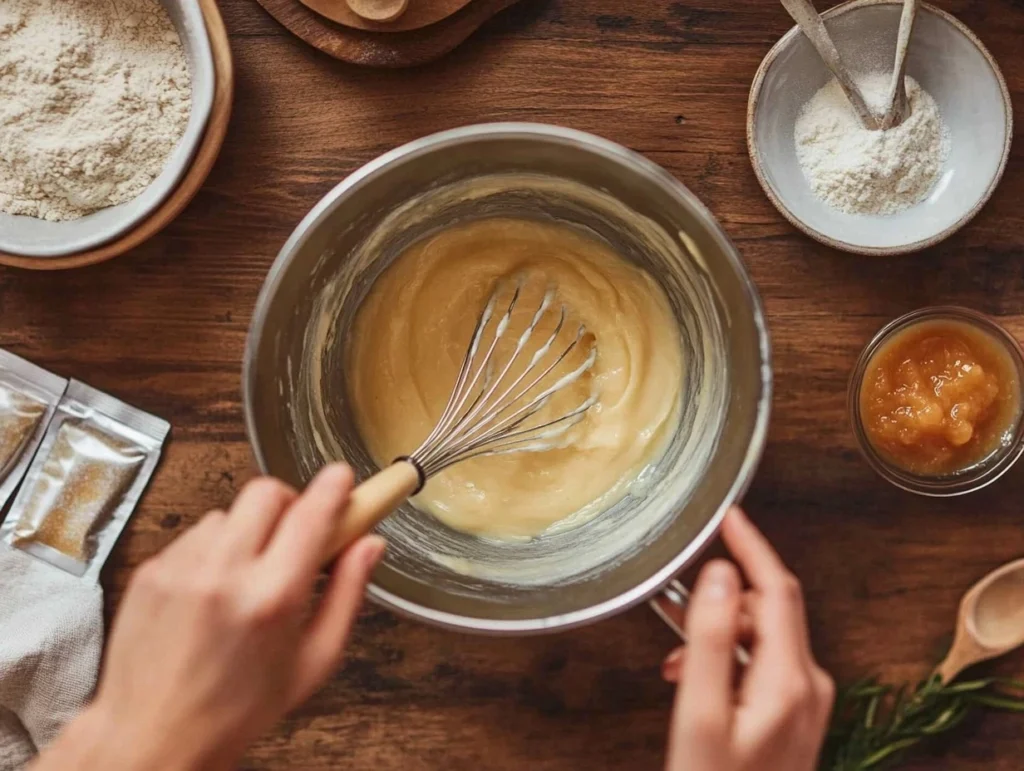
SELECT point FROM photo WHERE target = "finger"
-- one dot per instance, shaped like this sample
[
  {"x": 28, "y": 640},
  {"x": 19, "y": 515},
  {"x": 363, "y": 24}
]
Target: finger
[
  {"x": 760, "y": 562},
  {"x": 294, "y": 555},
  {"x": 673, "y": 665},
  {"x": 780, "y": 672},
  {"x": 780, "y": 610},
  {"x": 254, "y": 516},
  {"x": 706, "y": 703},
  {"x": 323, "y": 645},
  {"x": 825, "y": 687}
]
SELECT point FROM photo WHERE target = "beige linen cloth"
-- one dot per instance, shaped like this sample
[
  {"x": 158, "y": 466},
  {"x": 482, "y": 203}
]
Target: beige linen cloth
[{"x": 51, "y": 638}]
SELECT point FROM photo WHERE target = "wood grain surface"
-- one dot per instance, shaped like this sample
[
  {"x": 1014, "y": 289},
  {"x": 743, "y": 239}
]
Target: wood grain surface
[{"x": 165, "y": 327}]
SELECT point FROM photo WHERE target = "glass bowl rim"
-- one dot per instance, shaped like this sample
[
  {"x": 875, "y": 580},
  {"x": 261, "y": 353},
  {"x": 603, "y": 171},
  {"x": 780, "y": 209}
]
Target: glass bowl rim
[{"x": 983, "y": 473}]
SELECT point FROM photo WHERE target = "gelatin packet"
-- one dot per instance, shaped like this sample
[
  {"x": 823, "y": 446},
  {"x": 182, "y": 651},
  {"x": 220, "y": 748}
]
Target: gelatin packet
[
  {"x": 91, "y": 469},
  {"x": 28, "y": 398}
]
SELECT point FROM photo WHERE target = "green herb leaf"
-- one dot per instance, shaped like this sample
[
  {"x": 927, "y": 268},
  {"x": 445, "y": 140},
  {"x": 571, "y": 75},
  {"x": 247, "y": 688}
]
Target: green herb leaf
[{"x": 875, "y": 725}]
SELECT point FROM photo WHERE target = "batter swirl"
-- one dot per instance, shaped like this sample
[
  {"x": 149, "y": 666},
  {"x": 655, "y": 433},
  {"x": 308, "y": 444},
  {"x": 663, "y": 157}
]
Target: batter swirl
[{"x": 410, "y": 338}]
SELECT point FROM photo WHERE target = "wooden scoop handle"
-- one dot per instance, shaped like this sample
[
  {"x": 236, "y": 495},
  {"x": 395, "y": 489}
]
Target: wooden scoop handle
[
  {"x": 371, "y": 502},
  {"x": 897, "y": 100},
  {"x": 813, "y": 27}
]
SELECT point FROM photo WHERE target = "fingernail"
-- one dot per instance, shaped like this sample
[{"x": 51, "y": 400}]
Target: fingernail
[
  {"x": 673, "y": 659},
  {"x": 719, "y": 581}
]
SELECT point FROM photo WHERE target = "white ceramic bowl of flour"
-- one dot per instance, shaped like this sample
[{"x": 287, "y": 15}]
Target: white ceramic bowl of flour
[
  {"x": 34, "y": 237},
  {"x": 949, "y": 63}
]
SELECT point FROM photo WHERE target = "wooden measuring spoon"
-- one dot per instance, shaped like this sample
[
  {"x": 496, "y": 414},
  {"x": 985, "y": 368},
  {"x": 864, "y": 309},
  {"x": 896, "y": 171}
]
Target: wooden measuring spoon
[
  {"x": 991, "y": 620},
  {"x": 813, "y": 27},
  {"x": 897, "y": 108},
  {"x": 378, "y": 10}
]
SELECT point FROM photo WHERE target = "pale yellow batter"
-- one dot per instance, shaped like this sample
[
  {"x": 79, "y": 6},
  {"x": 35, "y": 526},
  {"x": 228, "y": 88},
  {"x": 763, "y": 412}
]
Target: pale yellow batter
[{"x": 410, "y": 338}]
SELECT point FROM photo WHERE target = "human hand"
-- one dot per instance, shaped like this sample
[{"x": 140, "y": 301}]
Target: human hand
[
  {"x": 215, "y": 642},
  {"x": 771, "y": 716}
]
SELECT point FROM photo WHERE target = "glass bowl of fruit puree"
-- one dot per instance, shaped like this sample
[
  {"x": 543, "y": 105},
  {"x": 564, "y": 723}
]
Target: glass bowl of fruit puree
[{"x": 936, "y": 401}]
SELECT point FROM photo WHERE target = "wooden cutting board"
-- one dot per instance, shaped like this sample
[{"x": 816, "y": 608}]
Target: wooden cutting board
[
  {"x": 383, "y": 49},
  {"x": 419, "y": 14}
]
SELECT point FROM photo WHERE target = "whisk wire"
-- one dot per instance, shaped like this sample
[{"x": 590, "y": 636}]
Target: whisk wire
[
  {"x": 463, "y": 389},
  {"x": 492, "y": 405},
  {"x": 488, "y": 417},
  {"x": 491, "y": 384},
  {"x": 534, "y": 438},
  {"x": 459, "y": 392},
  {"x": 538, "y": 401}
]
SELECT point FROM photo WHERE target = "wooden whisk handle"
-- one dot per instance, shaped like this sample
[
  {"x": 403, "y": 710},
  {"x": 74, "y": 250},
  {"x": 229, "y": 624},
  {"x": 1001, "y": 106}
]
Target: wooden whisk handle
[{"x": 372, "y": 501}]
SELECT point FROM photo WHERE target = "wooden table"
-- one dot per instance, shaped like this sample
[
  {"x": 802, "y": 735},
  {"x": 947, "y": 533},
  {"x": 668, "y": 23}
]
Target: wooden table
[{"x": 165, "y": 327}]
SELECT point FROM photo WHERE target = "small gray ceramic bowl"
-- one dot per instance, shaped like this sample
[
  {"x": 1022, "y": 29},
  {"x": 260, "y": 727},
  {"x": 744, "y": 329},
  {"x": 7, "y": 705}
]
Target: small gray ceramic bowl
[
  {"x": 32, "y": 237},
  {"x": 948, "y": 61}
]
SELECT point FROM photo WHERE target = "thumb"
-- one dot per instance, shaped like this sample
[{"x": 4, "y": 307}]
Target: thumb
[
  {"x": 705, "y": 702},
  {"x": 323, "y": 645}
]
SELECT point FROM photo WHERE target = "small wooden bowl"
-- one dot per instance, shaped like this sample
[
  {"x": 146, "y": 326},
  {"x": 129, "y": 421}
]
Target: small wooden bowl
[
  {"x": 391, "y": 49},
  {"x": 202, "y": 162},
  {"x": 419, "y": 14}
]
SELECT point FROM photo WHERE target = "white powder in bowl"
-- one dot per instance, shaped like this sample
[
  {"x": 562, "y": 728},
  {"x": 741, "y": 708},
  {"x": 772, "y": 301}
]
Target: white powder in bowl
[
  {"x": 870, "y": 172},
  {"x": 94, "y": 96}
]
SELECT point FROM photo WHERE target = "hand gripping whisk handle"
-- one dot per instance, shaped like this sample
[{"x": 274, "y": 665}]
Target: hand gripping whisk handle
[
  {"x": 372, "y": 501},
  {"x": 490, "y": 412}
]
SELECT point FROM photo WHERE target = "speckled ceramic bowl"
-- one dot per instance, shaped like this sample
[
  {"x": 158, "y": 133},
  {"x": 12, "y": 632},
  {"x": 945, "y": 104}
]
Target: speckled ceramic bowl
[
  {"x": 31, "y": 237},
  {"x": 950, "y": 64}
]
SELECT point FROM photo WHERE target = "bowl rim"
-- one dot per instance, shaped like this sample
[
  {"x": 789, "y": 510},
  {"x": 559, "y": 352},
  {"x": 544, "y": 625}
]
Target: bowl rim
[
  {"x": 622, "y": 157},
  {"x": 754, "y": 104},
  {"x": 193, "y": 29},
  {"x": 986, "y": 471}
]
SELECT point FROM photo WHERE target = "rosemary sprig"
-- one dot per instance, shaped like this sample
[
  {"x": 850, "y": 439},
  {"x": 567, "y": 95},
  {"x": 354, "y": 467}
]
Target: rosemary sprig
[{"x": 875, "y": 725}]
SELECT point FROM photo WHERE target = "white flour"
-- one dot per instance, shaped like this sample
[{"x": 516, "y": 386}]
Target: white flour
[
  {"x": 94, "y": 96},
  {"x": 870, "y": 172}
]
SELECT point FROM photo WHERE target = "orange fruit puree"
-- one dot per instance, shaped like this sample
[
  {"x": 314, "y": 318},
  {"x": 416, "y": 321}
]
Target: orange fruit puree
[{"x": 939, "y": 397}]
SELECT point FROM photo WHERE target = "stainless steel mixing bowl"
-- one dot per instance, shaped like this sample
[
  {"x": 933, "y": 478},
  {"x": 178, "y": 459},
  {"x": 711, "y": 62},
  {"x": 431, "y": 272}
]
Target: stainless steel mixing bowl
[{"x": 296, "y": 401}]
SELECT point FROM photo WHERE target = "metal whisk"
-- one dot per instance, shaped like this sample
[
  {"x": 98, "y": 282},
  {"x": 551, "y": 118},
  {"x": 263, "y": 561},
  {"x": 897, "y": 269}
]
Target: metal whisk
[
  {"x": 489, "y": 411},
  {"x": 491, "y": 417}
]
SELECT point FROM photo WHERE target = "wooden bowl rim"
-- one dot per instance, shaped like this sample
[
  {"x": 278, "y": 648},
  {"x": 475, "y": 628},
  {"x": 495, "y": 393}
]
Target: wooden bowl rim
[
  {"x": 202, "y": 162},
  {"x": 754, "y": 100},
  {"x": 406, "y": 22},
  {"x": 392, "y": 50}
]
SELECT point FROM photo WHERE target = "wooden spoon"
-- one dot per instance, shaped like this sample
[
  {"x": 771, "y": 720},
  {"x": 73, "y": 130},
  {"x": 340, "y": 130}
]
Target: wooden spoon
[
  {"x": 991, "y": 620},
  {"x": 378, "y": 10},
  {"x": 897, "y": 102},
  {"x": 813, "y": 27}
]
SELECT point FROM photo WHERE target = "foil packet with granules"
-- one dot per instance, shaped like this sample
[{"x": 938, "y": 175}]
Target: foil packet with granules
[
  {"x": 87, "y": 477},
  {"x": 28, "y": 398}
]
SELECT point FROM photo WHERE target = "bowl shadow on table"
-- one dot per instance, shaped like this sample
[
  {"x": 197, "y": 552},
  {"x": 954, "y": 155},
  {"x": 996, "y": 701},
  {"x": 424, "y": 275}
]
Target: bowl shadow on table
[{"x": 592, "y": 695}]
